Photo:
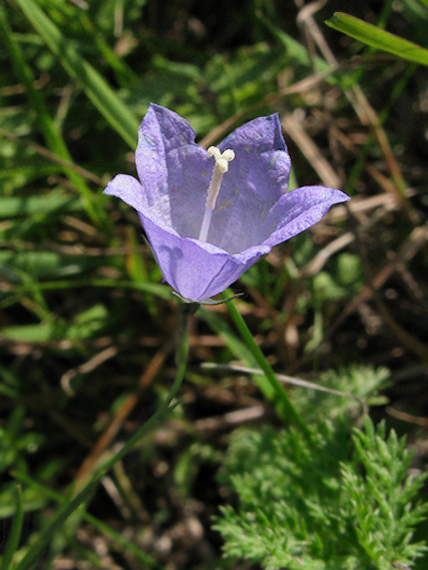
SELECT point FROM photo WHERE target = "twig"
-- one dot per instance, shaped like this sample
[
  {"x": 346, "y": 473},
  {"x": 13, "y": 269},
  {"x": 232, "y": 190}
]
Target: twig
[
  {"x": 411, "y": 419},
  {"x": 409, "y": 248},
  {"x": 299, "y": 87},
  {"x": 123, "y": 412},
  {"x": 89, "y": 366},
  {"x": 310, "y": 150},
  {"x": 287, "y": 380}
]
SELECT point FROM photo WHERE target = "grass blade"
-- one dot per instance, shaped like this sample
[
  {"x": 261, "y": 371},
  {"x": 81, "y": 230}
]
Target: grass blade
[
  {"x": 377, "y": 38},
  {"x": 36, "y": 549},
  {"x": 15, "y": 532},
  {"x": 276, "y": 392},
  {"x": 294, "y": 49},
  {"x": 93, "y": 84},
  {"x": 145, "y": 559},
  {"x": 50, "y": 131}
]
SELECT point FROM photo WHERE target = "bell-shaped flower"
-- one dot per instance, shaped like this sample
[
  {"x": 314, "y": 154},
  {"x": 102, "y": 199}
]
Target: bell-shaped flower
[{"x": 210, "y": 215}]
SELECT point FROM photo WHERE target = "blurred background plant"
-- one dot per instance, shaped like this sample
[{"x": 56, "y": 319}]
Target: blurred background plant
[{"x": 86, "y": 324}]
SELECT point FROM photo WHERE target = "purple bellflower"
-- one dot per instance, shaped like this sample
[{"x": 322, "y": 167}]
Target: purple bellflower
[{"x": 210, "y": 215}]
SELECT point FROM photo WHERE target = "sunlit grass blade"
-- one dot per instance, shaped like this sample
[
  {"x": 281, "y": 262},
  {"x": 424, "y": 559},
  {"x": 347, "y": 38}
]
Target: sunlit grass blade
[
  {"x": 124, "y": 74},
  {"x": 14, "y": 206},
  {"x": 50, "y": 131},
  {"x": 250, "y": 353},
  {"x": 48, "y": 330},
  {"x": 15, "y": 533},
  {"x": 54, "y": 158},
  {"x": 93, "y": 84},
  {"x": 239, "y": 350},
  {"x": 283, "y": 403},
  {"x": 294, "y": 49},
  {"x": 161, "y": 291},
  {"x": 377, "y": 38}
]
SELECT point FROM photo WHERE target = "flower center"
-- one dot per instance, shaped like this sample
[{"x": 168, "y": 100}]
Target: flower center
[{"x": 220, "y": 168}]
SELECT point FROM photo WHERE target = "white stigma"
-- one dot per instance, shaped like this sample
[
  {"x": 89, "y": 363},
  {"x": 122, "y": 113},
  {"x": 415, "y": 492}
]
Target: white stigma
[{"x": 220, "y": 168}]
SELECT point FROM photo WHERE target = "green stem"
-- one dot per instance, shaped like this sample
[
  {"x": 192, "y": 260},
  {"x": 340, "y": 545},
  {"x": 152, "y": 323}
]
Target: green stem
[
  {"x": 282, "y": 402},
  {"x": 162, "y": 411},
  {"x": 35, "y": 551}
]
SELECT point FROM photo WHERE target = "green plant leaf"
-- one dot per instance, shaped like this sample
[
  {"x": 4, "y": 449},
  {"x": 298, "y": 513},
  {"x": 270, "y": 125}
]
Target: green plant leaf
[
  {"x": 18, "y": 206},
  {"x": 294, "y": 49},
  {"x": 375, "y": 37},
  {"x": 36, "y": 549},
  {"x": 341, "y": 503},
  {"x": 85, "y": 325},
  {"x": 95, "y": 87},
  {"x": 15, "y": 532},
  {"x": 50, "y": 131},
  {"x": 145, "y": 559}
]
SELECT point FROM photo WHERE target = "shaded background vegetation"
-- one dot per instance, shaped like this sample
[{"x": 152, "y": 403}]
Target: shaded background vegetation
[{"x": 87, "y": 327}]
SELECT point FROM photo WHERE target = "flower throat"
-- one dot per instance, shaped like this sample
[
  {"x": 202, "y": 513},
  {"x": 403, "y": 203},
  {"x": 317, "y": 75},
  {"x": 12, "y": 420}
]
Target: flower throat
[{"x": 220, "y": 168}]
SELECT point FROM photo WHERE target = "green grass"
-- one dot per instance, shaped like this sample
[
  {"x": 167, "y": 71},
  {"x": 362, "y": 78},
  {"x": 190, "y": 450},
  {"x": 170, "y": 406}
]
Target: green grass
[{"x": 87, "y": 327}]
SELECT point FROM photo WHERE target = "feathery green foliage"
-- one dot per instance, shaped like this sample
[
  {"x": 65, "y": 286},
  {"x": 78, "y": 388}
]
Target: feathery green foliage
[
  {"x": 87, "y": 327},
  {"x": 344, "y": 503},
  {"x": 361, "y": 384}
]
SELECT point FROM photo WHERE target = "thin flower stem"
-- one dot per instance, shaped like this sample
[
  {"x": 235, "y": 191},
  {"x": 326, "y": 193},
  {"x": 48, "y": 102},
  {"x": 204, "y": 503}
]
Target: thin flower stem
[
  {"x": 37, "y": 548},
  {"x": 282, "y": 402},
  {"x": 181, "y": 362}
]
